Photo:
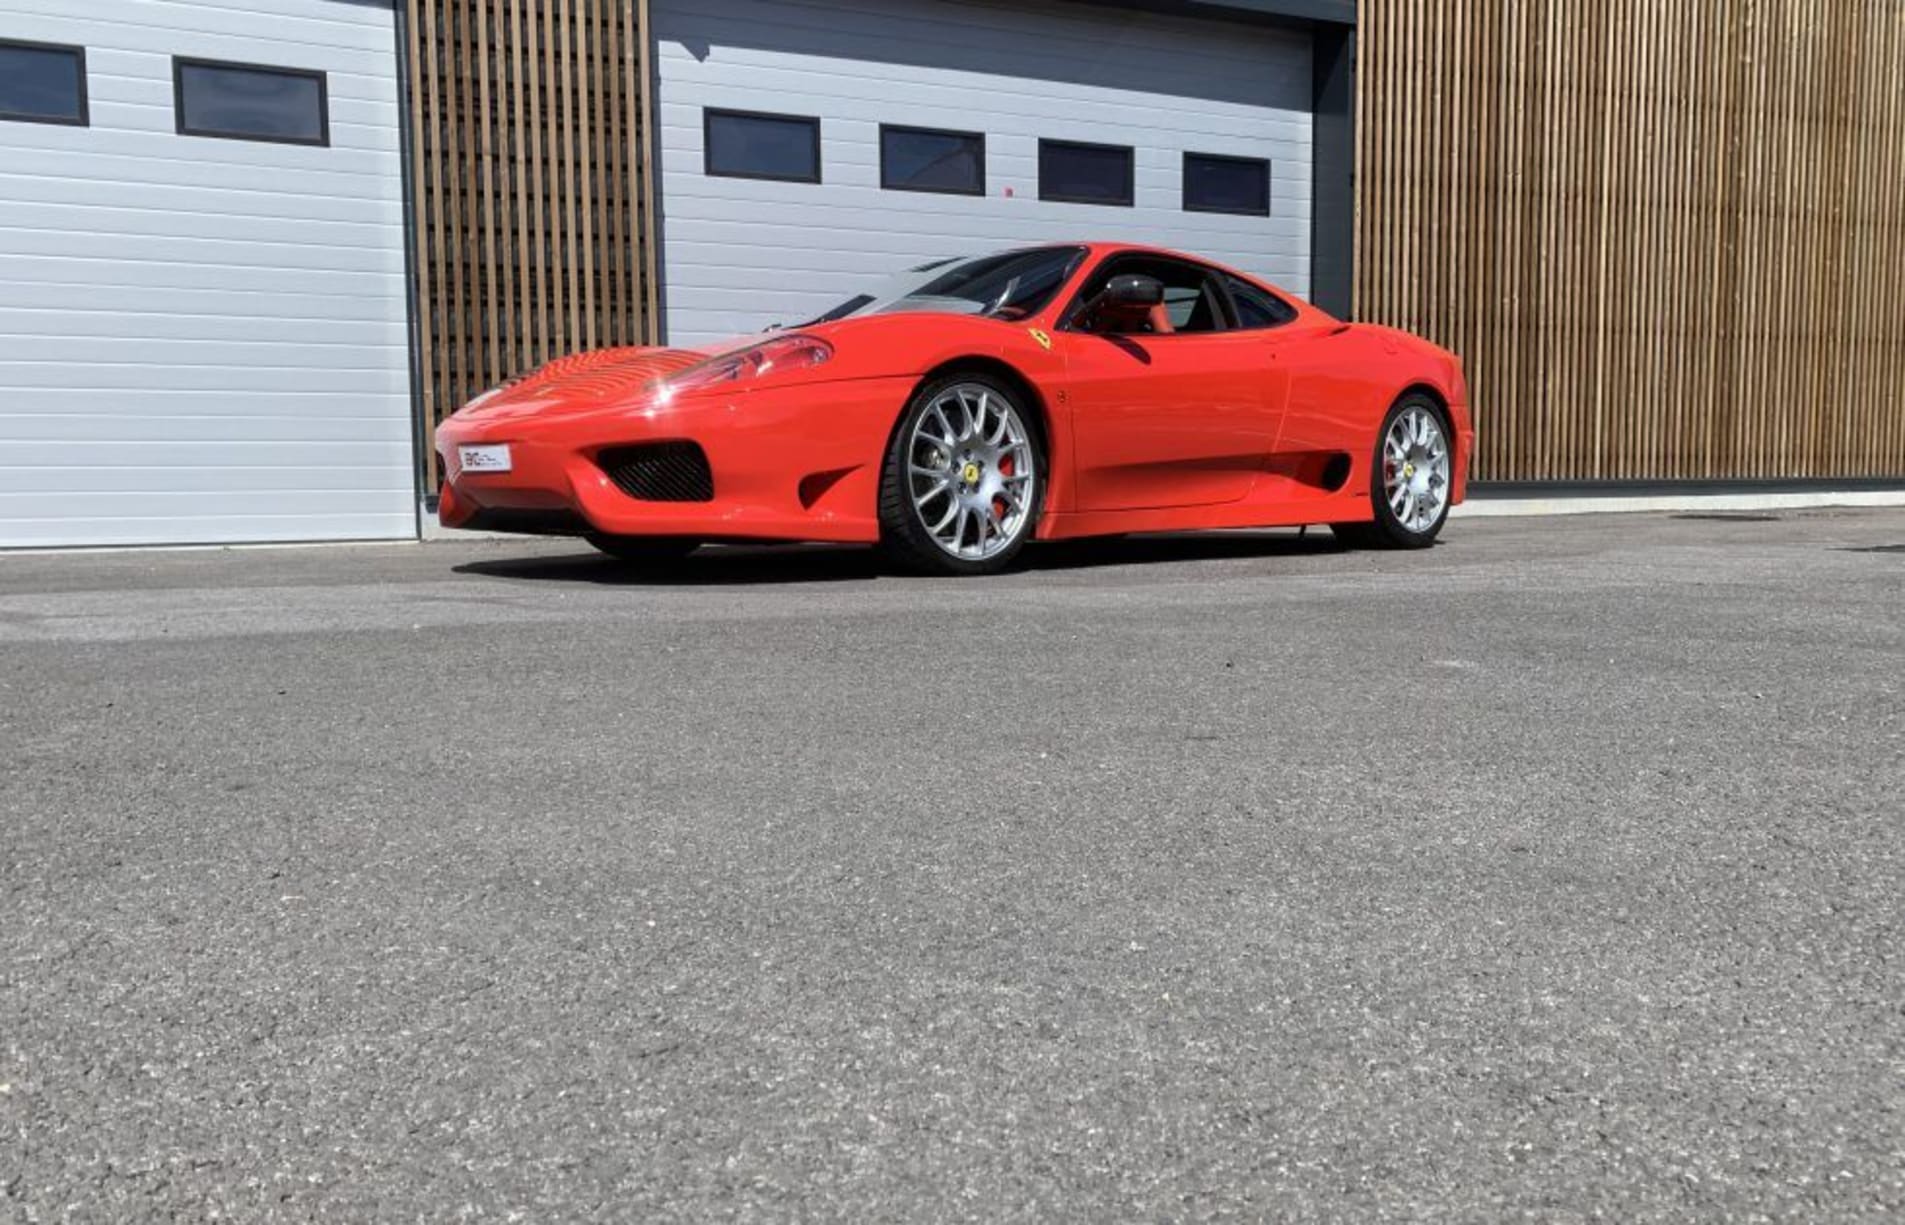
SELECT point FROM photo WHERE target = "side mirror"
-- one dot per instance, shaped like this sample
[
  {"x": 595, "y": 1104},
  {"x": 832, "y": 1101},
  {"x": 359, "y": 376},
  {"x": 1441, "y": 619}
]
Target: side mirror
[{"x": 1125, "y": 301}]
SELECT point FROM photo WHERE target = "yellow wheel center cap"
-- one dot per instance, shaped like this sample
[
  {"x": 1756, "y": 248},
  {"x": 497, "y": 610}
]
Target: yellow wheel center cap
[
  {"x": 1408, "y": 470},
  {"x": 970, "y": 474}
]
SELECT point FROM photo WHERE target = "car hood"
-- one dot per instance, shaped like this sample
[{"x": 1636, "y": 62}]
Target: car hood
[
  {"x": 585, "y": 381},
  {"x": 588, "y": 382}
]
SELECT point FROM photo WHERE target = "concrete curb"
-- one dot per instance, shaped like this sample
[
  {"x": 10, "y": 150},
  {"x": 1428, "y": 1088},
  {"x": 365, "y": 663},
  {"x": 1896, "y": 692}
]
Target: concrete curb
[{"x": 1596, "y": 504}]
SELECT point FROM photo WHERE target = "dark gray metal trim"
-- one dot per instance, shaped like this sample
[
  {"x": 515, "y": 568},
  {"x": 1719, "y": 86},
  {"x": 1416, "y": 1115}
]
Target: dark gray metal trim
[
  {"x": 413, "y": 307},
  {"x": 1307, "y": 13},
  {"x": 1640, "y": 489},
  {"x": 1333, "y": 168}
]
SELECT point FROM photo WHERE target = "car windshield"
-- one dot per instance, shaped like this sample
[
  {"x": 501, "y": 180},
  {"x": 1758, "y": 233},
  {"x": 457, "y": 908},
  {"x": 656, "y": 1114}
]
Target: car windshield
[{"x": 1008, "y": 285}]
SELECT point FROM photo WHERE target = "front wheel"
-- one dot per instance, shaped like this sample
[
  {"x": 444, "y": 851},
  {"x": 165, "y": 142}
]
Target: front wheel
[
  {"x": 643, "y": 550},
  {"x": 1409, "y": 479},
  {"x": 964, "y": 478}
]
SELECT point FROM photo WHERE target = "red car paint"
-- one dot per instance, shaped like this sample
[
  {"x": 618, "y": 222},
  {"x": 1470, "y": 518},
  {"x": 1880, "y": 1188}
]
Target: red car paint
[{"x": 1144, "y": 432}]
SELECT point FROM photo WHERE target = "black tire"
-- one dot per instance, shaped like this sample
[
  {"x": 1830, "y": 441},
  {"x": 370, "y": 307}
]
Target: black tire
[
  {"x": 644, "y": 550},
  {"x": 1387, "y": 530},
  {"x": 903, "y": 536}
]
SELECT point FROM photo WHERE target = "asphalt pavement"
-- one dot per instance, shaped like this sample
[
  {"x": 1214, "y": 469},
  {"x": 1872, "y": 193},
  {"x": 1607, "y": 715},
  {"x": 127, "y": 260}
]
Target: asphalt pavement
[{"x": 1555, "y": 873}]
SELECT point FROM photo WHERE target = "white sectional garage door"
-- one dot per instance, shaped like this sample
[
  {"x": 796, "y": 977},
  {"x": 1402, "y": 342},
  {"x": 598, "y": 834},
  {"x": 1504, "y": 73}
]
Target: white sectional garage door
[
  {"x": 204, "y": 339},
  {"x": 742, "y": 253}
]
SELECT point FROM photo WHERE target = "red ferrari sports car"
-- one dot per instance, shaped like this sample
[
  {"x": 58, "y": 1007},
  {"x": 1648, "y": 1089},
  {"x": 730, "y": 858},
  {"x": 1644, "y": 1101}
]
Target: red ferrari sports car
[{"x": 971, "y": 405}]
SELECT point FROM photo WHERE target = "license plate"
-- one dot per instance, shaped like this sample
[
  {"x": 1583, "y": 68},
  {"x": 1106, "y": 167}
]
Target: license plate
[{"x": 494, "y": 458}]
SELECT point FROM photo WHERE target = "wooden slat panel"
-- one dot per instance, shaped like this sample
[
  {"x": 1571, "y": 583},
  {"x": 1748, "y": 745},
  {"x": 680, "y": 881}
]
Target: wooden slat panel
[
  {"x": 533, "y": 235},
  {"x": 1666, "y": 239}
]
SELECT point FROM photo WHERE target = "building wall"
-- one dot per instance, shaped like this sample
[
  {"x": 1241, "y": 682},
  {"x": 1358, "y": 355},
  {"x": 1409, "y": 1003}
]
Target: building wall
[
  {"x": 1668, "y": 239},
  {"x": 528, "y": 174}
]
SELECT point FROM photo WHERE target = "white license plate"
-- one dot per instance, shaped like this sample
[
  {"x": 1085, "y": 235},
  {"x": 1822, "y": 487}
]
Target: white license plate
[{"x": 494, "y": 458}]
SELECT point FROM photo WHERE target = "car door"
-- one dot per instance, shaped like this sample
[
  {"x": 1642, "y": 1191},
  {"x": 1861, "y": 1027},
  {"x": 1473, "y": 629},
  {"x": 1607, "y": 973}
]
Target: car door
[
  {"x": 1315, "y": 405},
  {"x": 1177, "y": 417}
]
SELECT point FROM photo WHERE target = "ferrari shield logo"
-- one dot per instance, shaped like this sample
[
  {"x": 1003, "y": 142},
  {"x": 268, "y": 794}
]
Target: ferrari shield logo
[{"x": 1044, "y": 340}]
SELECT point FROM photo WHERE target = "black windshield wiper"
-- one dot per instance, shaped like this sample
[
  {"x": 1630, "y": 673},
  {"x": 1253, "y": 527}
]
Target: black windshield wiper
[{"x": 839, "y": 312}]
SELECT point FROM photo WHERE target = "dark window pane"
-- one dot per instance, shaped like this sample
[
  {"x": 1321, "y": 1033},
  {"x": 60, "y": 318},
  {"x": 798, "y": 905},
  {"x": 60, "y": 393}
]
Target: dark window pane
[
  {"x": 278, "y": 104},
  {"x": 763, "y": 146},
  {"x": 1226, "y": 184},
  {"x": 1180, "y": 302},
  {"x": 922, "y": 159},
  {"x": 42, "y": 83},
  {"x": 1084, "y": 174},
  {"x": 1257, "y": 309}
]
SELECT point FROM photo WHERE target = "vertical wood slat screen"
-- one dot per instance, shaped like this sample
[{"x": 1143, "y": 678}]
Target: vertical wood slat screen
[
  {"x": 529, "y": 175},
  {"x": 1668, "y": 240}
]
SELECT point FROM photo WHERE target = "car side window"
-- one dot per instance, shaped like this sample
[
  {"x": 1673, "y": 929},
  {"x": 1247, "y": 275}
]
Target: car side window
[
  {"x": 1257, "y": 309},
  {"x": 1180, "y": 305},
  {"x": 1192, "y": 303}
]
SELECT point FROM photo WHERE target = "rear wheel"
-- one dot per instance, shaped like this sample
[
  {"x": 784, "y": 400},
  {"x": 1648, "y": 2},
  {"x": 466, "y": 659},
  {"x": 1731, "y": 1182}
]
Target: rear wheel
[
  {"x": 644, "y": 550},
  {"x": 964, "y": 478},
  {"x": 1409, "y": 479}
]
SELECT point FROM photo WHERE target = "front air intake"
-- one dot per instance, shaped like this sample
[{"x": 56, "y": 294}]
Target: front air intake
[{"x": 660, "y": 472}]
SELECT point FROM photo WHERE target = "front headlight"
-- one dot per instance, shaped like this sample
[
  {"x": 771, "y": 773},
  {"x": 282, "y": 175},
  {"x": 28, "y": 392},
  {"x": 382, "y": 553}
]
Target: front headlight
[{"x": 791, "y": 352}]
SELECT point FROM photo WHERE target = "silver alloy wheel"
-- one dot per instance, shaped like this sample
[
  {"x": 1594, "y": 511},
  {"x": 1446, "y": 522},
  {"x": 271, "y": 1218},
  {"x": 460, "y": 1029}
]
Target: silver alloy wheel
[
  {"x": 970, "y": 471},
  {"x": 1415, "y": 469}
]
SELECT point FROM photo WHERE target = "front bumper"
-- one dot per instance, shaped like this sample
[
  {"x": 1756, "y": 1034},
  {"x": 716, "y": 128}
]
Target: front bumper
[{"x": 790, "y": 463}]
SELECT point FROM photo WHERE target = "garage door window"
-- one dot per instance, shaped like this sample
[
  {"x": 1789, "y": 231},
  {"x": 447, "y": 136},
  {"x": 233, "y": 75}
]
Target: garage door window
[
  {"x": 1214, "y": 184},
  {"x": 251, "y": 102},
  {"x": 42, "y": 82},
  {"x": 1076, "y": 173},
  {"x": 928, "y": 159},
  {"x": 750, "y": 145}
]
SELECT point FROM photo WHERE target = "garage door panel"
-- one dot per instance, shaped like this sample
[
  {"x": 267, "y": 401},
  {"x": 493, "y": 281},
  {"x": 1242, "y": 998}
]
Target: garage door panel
[
  {"x": 95, "y": 324},
  {"x": 319, "y": 360},
  {"x": 376, "y": 291},
  {"x": 260, "y": 522},
  {"x": 855, "y": 211},
  {"x": 270, "y": 29},
  {"x": 167, "y": 403},
  {"x": 1049, "y": 42},
  {"x": 107, "y": 376},
  {"x": 1021, "y": 111},
  {"x": 296, "y": 313},
  {"x": 227, "y": 227},
  {"x": 779, "y": 249},
  {"x": 195, "y": 159},
  {"x": 1017, "y": 73},
  {"x": 142, "y": 420},
  {"x": 285, "y": 252},
  {"x": 114, "y": 491},
  {"x": 243, "y": 464},
  {"x": 251, "y": 198}
]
